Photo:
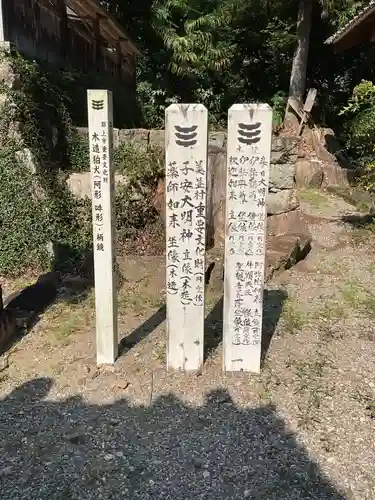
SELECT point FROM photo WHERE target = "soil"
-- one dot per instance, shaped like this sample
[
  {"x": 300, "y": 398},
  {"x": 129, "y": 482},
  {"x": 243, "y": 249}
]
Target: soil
[{"x": 302, "y": 429}]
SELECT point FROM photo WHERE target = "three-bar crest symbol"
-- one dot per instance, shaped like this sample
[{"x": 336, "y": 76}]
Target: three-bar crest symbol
[
  {"x": 249, "y": 134},
  {"x": 97, "y": 105},
  {"x": 186, "y": 136}
]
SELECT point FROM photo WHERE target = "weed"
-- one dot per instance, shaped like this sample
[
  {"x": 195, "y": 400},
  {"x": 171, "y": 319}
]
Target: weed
[
  {"x": 159, "y": 351},
  {"x": 313, "y": 197},
  {"x": 293, "y": 319},
  {"x": 358, "y": 298}
]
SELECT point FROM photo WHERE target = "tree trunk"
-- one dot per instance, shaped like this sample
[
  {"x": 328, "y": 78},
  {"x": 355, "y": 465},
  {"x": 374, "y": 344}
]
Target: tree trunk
[{"x": 298, "y": 74}]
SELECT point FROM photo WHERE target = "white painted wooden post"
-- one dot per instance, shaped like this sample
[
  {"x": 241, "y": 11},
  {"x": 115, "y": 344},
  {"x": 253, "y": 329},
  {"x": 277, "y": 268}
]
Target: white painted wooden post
[
  {"x": 248, "y": 160},
  {"x": 186, "y": 137},
  {"x": 2, "y": 22},
  {"x": 100, "y": 112}
]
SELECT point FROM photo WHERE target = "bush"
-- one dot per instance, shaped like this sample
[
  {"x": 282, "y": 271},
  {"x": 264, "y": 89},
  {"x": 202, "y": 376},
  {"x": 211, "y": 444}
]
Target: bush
[
  {"x": 134, "y": 201},
  {"x": 360, "y": 130},
  {"x": 37, "y": 208},
  {"x": 24, "y": 217}
]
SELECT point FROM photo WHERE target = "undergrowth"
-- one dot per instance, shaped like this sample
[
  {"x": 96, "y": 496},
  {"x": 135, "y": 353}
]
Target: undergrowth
[{"x": 36, "y": 207}]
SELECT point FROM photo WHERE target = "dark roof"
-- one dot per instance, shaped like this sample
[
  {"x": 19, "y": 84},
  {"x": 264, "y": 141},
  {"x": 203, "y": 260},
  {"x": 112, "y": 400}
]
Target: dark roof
[
  {"x": 344, "y": 30},
  {"x": 110, "y": 30}
]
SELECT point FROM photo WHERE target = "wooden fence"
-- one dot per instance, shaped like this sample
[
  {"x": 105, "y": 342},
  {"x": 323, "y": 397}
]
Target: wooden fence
[{"x": 49, "y": 30}]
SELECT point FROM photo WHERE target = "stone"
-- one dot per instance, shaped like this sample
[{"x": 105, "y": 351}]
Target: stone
[
  {"x": 284, "y": 251},
  {"x": 116, "y": 138},
  {"x": 284, "y": 142},
  {"x": 79, "y": 183},
  {"x": 335, "y": 176},
  {"x": 83, "y": 132},
  {"x": 282, "y": 176},
  {"x": 185, "y": 180},
  {"x": 309, "y": 174},
  {"x": 137, "y": 136},
  {"x": 287, "y": 223},
  {"x": 100, "y": 111},
  {"x": 282, "y": 202},
  {"x": 248, "y": 170},
  {"x": 217, "y": 139},
  {"x": 157, "y": 138},
  {"x": 25, "y": 157}
]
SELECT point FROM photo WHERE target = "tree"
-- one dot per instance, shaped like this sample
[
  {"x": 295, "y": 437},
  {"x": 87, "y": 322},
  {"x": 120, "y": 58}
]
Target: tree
[
  {"x": 335, "y": 9},
  {"x": 299, "y": 65}
]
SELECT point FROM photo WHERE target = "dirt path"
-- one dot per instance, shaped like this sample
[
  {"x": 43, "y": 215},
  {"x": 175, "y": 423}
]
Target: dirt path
[{"x": 302, "y": 429}]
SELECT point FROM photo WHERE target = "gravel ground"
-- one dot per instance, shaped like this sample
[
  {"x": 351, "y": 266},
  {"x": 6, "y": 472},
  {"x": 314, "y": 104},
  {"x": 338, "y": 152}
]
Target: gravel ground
[{"x": 303, "y": 429}]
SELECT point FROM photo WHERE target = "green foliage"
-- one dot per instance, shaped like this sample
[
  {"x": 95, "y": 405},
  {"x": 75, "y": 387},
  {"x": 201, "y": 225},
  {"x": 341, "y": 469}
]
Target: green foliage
[
  {"x": 278, "y": 102},
  {"x": 24, "y": 216},
  {"x": 360, "y": 127},
  {"x": 78, "y": 152},
  {"x": 360, "y": 130},
  {"x": 142, "y": 169},
  {"x": 37, "y": 208}
]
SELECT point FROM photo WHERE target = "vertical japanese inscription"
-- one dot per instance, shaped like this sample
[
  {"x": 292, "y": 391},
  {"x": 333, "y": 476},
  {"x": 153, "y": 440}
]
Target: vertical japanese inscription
[
  {"x": 248, "y": 159},
  {"x": 101, "y": 151},
  {"x": 186, "y": 165}
]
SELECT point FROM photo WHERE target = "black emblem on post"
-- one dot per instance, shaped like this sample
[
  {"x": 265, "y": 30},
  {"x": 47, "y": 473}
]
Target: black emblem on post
[
  {"x": 186, "y": 136},
  {"x": 249, "y": 134},
  {"x": 97, "y": 105}
]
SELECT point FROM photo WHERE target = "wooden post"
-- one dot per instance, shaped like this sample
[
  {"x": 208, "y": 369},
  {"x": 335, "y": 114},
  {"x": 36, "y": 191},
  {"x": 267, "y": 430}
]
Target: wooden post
[
  {"x": 186, "y": 139},
  {"x": 100, "y": 113},
  {"x": 96, "y": 28},
  {"x": 64, "y": 29},
  {"x": 248, "y": 160},
  {"x": 119, "y": 58}
]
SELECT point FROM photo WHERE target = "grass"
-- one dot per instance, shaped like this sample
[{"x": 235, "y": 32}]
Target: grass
[
  {"x": 139, "y": 298},
  {"x": 65, "y": 319},
  {"x": 293, "y": 318},
  {"x": 360, "y": 236},
  {"x": 358, "y": 298},
  {"x": 330, "y": 310},
  {"x": 159, "y": 352},
  {"x": 312, "y": 196}
]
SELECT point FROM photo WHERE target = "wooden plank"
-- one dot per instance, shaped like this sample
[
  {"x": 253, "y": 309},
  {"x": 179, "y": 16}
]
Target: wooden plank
[
  {"x": 100, "y": 112},
  {"x": 310, "y": 100},
  {"x": 186, "y": 138},
  {"x": 248, "y": 162}
]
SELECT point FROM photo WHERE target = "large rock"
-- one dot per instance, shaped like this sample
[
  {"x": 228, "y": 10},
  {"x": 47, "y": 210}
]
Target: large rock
[
  {"x": 281, "y": 176},
  {"x": 309, "y": 174},
  {"x": 287, "y": 223},
  {"x": 217, "y": 139},
  {"x": 285, "y": 251},
  {"x": 335, "y": 176},
  {"x": 157, "y": 138},
  {"x": 282, "y": 201},
  {"x": 138, "y": 136},
  {"x": 79, "y": 183}
]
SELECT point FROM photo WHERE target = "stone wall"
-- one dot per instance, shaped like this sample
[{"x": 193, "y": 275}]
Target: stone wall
[
  {"x": 282, "y": 197},
  {"x": 288, "y": 238}
]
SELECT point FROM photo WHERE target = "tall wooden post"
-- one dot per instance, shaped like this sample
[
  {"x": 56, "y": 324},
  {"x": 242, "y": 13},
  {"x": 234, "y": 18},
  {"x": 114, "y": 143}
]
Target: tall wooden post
[
  {"x": 185, "y": 179},
  {"x": 248, "y": 162},
  {"x": 100, "y": 111}
]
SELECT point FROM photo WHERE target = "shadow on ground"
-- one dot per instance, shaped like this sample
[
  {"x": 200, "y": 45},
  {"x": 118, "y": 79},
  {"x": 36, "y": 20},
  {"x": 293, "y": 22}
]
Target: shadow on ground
[
  {"x": 72, "y": 450},
  {"x": 358, "y": 221},
  {"x": 25, "y": 307},
  {"x": 213, "y": 328},
  {"x": 144, "y": 330},
  {"x": 273, "y": 301}
]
